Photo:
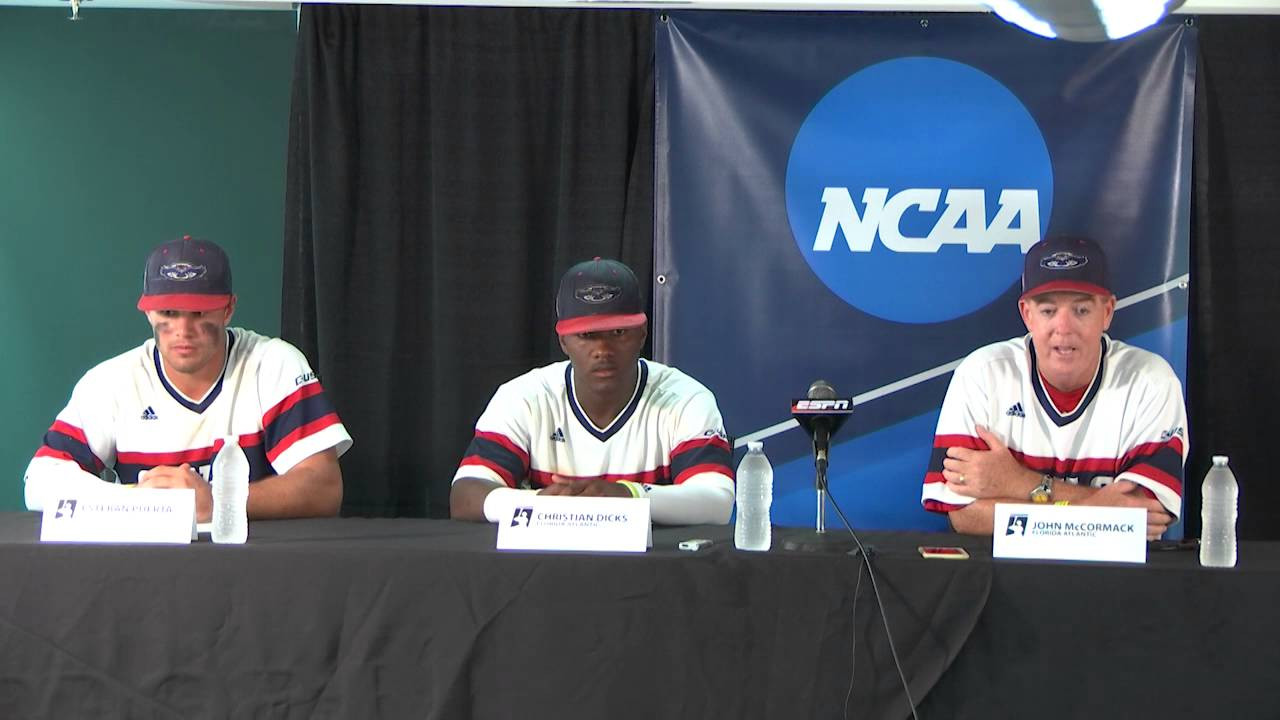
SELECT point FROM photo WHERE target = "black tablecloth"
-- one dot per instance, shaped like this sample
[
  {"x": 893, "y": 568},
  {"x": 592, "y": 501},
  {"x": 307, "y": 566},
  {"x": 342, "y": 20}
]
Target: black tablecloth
[{"x": 351, "y": 618}]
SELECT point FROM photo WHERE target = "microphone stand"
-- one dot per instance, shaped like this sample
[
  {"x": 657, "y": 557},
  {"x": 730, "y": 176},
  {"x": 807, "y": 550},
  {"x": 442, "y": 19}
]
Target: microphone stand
[
  {"x": 820, "y": 540},
  {"x": 820, "y": 482},
  {"x": 820, "y": 414}
]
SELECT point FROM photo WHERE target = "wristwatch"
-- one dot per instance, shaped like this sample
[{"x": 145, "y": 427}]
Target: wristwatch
[{"x": 1043, "y": 493}]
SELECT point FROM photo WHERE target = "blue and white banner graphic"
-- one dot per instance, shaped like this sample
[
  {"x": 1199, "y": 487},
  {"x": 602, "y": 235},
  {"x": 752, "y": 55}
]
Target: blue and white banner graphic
[{"x": 849, "y": 197}]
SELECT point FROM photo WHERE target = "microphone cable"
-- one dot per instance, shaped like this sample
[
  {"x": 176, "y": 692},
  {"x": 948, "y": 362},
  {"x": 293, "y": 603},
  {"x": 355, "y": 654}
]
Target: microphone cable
[{"x": 884, "y": 619}]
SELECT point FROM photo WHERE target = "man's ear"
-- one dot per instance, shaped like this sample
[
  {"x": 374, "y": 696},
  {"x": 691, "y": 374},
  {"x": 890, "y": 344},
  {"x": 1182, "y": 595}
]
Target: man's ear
[
  {"x": 1109, "y": 310},
  {"x": 1025, "y": 309}
]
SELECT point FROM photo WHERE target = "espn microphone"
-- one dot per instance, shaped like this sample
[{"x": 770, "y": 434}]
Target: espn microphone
[
  {"x": 821, "y": 390},
  {"x": 821, "y": 414}
]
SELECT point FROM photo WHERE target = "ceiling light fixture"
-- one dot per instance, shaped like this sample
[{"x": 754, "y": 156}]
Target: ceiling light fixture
[{"x": 1084, "y": 20}]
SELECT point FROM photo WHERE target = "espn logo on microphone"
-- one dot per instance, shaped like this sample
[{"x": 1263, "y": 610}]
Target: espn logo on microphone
[{"x": 821, "y": 406}]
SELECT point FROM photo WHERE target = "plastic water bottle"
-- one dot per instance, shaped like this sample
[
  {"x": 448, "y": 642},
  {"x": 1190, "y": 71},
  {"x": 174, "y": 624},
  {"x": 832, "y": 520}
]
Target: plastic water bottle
[
  {"x": 1219, "y": 496},
  {"x": 751, "y": 531},
  {"x": 230, "y": 493}
]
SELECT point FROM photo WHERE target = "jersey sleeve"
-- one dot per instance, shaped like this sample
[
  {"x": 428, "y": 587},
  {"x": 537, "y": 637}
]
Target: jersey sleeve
[
  {"x": 702, "y": 487},
  {"x": 963, "y": 410},
  {"x": 298, "y": 419},
  {"x": 1155, "y": 443},
  {"x": 79, "y": 445},
  {"x": 700, "y": 447},
  {"x": 499, "y": 450}
]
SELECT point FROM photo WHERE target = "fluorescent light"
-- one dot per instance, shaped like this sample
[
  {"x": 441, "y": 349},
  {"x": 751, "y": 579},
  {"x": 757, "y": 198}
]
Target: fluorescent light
[
  {"x": 1084, "y": 20},
  {"x": 1122, "y": 18},
  {"x": 1014, "y": 13}
]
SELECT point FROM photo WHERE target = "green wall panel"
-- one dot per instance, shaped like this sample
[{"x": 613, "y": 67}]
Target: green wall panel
[{"x": 118, "y": 132}]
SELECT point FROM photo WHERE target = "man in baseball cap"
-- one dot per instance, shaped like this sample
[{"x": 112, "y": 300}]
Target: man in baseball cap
[
  {"x": 1063, "y": 414},
  {"x": 156, "y": 415},
  {"x": 604, "y": 422}
]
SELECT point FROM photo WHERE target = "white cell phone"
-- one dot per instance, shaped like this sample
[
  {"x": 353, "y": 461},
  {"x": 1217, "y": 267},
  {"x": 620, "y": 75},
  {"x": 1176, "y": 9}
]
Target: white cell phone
[{"x": 694, "y": 544}]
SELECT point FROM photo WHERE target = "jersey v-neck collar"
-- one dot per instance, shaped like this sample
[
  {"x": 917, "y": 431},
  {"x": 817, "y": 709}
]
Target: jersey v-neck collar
[
  {"x": 608, "y": 431},
  {"x": 195, "y": 406},
  {"x": 1042, "y": 394}
]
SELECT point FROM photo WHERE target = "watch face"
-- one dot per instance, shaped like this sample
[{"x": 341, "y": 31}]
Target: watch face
[{"x": 1042, "y": 492}]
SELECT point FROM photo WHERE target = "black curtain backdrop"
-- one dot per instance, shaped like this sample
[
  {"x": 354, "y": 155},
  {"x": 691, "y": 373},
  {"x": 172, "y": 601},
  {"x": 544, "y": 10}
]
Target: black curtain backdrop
[
  {"x": 1235, "y": 254},
  {"x": 445, "y": 167},
  {"x": 447, "y": 164}
]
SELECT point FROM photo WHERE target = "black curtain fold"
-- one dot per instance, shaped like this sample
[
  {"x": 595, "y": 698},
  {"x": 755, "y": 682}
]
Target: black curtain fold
[
  {"x": 1233, "y": 346},
  {"x": 447, "y": 164},
  {"x": 445, "y": 167}
]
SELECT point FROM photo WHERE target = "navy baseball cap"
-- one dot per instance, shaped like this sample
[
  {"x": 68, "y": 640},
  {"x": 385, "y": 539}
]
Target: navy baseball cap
[
  {"x": 1065, "y": 263},
  {"x": 598, "y": 295},
  {"x": 186, "y": 274}
]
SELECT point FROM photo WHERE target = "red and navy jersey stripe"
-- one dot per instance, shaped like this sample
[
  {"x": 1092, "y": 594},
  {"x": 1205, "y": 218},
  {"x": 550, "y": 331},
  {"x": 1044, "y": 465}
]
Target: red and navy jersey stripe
[
  {"x": 304, "y": 412},
  {"x": 129, "y": 463},
  {"x": 658, "y": 476},
  {"x": 65, "y": 441},
  {"x": 704, "y": 454},
  {"x": 498, "y": 453},
  {"x": 1159, "y": 461}
]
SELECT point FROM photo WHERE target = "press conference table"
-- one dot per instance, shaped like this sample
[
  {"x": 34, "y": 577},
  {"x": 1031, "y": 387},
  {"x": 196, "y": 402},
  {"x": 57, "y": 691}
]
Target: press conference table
[{"x": 360, "y": 618}]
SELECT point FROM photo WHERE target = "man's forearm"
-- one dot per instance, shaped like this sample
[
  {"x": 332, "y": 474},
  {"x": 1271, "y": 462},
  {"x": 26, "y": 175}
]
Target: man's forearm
[
  {"x": 978, "y": 517},
  {"x": 312, "y": 488},
  {"x": 467, "y": 496},
  {"x": 47, "y": 476},
  {"x": 691, "y": 503}
]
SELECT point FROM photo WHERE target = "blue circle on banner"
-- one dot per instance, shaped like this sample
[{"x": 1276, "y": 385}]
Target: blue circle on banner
[{"x": 915, "y": 187}]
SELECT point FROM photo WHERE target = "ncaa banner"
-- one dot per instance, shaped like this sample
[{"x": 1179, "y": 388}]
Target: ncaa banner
[{"x": 849, "y": 197}]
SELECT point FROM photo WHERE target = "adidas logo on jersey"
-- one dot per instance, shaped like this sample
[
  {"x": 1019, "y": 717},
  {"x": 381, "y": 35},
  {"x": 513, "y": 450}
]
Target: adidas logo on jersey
[
  {"x": 558, "y": 435},
  {"x": 148, "y": 414},
  {"x": 1015, "y": 411}
]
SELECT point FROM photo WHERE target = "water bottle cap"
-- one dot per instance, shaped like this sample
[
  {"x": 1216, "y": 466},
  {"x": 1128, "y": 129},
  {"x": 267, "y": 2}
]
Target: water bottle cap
[
  {"x": 1219, "y": 459},
  {"x": 755, "y": 446}
]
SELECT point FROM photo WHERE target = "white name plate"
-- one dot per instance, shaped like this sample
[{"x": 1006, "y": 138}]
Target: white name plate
[
  {"x": 1070, "y": 532},
  {"x": 136, "y": 515},
  {"x": 553, "y": 522}
]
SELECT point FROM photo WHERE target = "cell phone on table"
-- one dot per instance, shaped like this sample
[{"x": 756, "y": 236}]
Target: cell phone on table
[{"x": 944, "y": 552}]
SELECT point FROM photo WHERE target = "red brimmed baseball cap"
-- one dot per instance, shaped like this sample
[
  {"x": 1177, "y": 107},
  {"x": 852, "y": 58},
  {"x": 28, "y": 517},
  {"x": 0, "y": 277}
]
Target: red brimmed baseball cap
[
  {"x": 598, "y": 295},
  {"x": 1065, "y": 263},
  {"x": 186, "y": 274}
]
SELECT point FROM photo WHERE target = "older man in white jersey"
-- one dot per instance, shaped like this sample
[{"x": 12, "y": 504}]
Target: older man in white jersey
[{"x": 1064, "y": 414}]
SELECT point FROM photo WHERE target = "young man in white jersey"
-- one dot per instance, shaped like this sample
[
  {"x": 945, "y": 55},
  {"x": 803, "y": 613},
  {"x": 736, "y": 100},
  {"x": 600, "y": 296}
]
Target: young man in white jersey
[
  {"x": 156, "y": 415},
  {"x": 1064, "y": 414},
  {"x": 604, "y": 423}
]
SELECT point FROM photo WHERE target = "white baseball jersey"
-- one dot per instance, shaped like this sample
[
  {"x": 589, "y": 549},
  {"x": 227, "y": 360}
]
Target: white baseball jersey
[
  {"x": 669, "y": 433},
  {"x": 125, "y": 414},
  {"x": 1129, "y": 425}
]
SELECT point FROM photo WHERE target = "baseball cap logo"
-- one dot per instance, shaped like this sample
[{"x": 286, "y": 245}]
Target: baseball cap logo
[
  {"x": 182, "y": 271},
  {"x": 597, "y": 294},
  {"x": 1063, "y": 260}
]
